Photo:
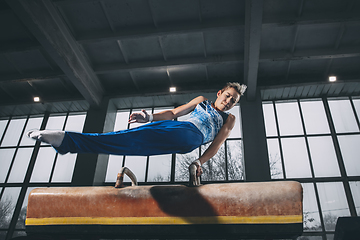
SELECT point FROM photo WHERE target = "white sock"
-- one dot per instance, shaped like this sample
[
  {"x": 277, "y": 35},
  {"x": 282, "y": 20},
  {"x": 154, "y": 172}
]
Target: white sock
[{"x": 54, "y": 138}]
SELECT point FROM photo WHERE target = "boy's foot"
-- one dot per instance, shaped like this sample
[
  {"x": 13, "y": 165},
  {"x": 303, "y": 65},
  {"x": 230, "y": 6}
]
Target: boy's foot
[{"x": 54, "y": 138}]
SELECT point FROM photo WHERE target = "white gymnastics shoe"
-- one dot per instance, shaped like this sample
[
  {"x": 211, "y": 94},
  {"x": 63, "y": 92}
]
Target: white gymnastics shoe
[{"x": 54, "y": 138}]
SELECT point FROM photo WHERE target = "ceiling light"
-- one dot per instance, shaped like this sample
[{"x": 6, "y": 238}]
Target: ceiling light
[
  {"x": 332, "y": 78},
  {"x": 36, "y": 99},
  {"x": 173, "y": 89}
]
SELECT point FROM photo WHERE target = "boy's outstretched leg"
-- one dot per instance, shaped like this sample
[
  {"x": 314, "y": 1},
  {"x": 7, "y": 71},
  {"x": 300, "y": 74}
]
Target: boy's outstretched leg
[{"x": 54, "y": 138}]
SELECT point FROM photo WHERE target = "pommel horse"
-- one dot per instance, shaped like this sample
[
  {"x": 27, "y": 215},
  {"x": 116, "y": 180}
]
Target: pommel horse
[{"x": 267, "y": 210}]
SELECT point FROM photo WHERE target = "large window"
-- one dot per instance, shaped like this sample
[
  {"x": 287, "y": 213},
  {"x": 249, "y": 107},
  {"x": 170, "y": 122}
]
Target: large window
[
  {"x": 25, "y": 165},
  {"x": 226, "y": 165},
  {"x": 316, "y": 143}
]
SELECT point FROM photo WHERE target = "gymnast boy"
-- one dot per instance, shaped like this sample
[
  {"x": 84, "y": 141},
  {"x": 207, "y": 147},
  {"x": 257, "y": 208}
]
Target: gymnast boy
[{"x": 208, "y": 122}]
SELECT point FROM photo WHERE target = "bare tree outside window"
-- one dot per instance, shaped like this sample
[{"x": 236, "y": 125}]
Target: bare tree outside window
[
  {"x": 275, "y": 166},
  {"x": 182, "y": 163},
  {"x": 309, "y": 238},
  {"x": 6, "y": 210},
  {"x": 161, "y": 178},
  {"x": 310, "y": 223},
  {"x": 215, "y": 168},
  {"x": 330, "y": 221},
  {"x": 22, "y": 217},
  {"x": 236, "y": 168}
]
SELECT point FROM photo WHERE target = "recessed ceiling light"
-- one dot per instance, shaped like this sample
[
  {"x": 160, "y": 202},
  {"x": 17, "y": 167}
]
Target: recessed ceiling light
[
  {"x": 332, "y": 78},
  {"x": 173, "y": 89},
  {"x": 36, "y": 99}
]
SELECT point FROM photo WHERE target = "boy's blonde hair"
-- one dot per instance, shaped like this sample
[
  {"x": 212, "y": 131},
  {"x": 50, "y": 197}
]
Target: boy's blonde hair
[{"x": 240, "y": 88}]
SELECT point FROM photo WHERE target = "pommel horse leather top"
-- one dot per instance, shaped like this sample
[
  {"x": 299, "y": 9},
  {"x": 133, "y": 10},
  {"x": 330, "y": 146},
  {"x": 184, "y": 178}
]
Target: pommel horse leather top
[
  {"x": 267, "y": 209},
  {"x": 231, "y": 209}
]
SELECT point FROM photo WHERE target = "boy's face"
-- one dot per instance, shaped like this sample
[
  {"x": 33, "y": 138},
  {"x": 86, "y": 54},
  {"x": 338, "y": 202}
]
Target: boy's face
[{"x": 226, "y": 99}]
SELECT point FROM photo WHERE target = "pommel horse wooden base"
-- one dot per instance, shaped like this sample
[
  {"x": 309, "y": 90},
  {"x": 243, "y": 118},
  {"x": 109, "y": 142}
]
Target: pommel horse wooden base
[{"x": 231, "y": 210}]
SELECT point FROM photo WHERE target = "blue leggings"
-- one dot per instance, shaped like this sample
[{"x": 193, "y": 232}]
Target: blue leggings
[{"x": 161, "y": 137}]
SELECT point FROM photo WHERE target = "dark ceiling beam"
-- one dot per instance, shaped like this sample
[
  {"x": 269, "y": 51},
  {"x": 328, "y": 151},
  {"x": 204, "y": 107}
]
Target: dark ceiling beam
[
  {"x": 294, "y": 40},
  {"x": 44, "y": 101},
  {"x": 252, "y": 39},
  {"x": 41, "y": 75},
  {"x": 310, "y": 90},
  {"x": 71, "y": 2},
  {"x": 201, "y": 27},
  {"x": 310, "y": 19},
  {"x": 273, "y": 83},
  {"x": 45, "y": 23},
  {"x": 148, "y": 65},
  {"x": 5, "y": 90},
  {"x": 18, "y": 47},
  {"x": 339, "y": 38},
  {"x": 141, "y": 32},
  {"x": 311, "y": 54}
]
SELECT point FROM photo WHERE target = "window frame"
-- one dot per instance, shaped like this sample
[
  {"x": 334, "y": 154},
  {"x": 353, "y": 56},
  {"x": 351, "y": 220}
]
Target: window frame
[
  {"x": 344, "y": 179},
  {"x": 14, "y": 228}
]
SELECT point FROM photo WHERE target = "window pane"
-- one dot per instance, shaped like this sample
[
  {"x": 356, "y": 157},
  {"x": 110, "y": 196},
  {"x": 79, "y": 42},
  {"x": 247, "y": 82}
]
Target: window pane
[
  {"x": 137, "y": 164},
  {"x": 114, "y": 166},
  {"x": 214, "y": 169},
  {"x": 55, "y": 122},
  {"x": 6, "y": 156},
  {"x": 355, "y": 190},
  {"x": 269, "y": 117},
  {"x": 289, "y": 118},
  {"x": 19, "y": 234},
  {"x": 160, "y": 109},
  {"x": 276, "y": 170},
  {"x": 8, "y": 203},
  {"x": 13, "y": 132},
  {"x": 121, "y": 121},
  {"x": 75, "y": 123},
  {"x": 323, "y": 154},
  {"x": 349, "y": 147},
  {"x": 22, "y": 216},
  {"x": 306, "y": 237},
  {"x": 33, "y": 123},
  {"x": 295, "y": 158},
  {"x": 3, "y": 124},
  {"x": 343, "y": 116},
  {"x": 236, "y": 131},
  {"x": 333, "y": 203},
  {"x": 43, "y": 165},
  {"x": 64, "y": 168},
  {"x": 310, "y": 209},
  {"x": 357, "y": 107},
  {"x": 183, "y": 161},
  {"x": 315, "y": 117},
  {"x": 20, "y": 166},
  {"x": 330, "y": 236},
  {"x": 159, "y": 168},
  {"x": 236, "y": 168}
]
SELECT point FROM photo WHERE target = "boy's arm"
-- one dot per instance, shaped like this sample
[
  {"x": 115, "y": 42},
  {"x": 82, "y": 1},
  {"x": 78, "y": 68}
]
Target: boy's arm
[
  {"x": 182, "y": 110},
  {"x": 216, "y": 144}
]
